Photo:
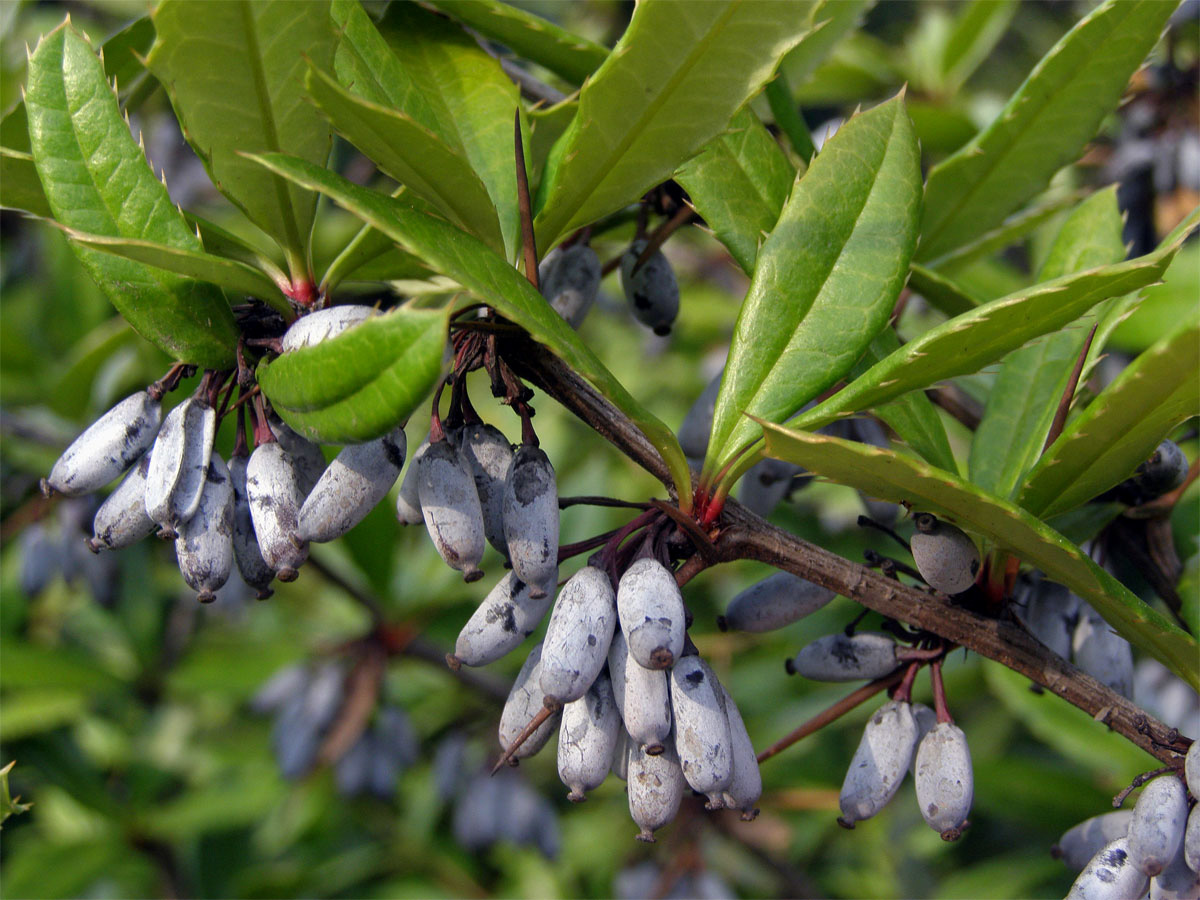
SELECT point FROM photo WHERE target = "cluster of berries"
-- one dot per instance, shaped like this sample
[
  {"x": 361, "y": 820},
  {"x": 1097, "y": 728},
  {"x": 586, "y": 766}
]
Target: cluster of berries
[
  {"x": 1154, "y": 847},
  {"x": 261, "y": 510},
  {"x": 570, "y": 276}
]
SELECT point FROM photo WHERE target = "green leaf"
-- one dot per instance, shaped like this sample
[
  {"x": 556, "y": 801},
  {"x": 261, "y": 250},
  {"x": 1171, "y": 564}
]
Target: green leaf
[
  {"x": 471, "y": 98},
  {"x": 977, "y": 29},
  {"x": 35, "y": 710},
  {"x": 913, "y": 417},
  {"x": 1027, "y": 390},
  {"x": 462, "y": 257},
  {"x": 97, "y": 181},
  {"x": 20, "y": 187},
  {"x": 8, "y": 803},
  {"x": 970, "y": 341},
  {"x": 1121, "y": 427},
  {"x": 412, "y": 155},
  {"x": 371, "y": 256},
  {"x": 888, "y": 475},
  {"x": 942, "y": 293},
  {"x": 234, "y": 71},
  {"x": 831, "y": 21},
  {"x": 124, "y": 53},
  {"x": 227, "y": 273},
  {"x": 672, "y": 83},
  {"x": 739, "y": 183},
  {"x": 1043, "y": 127},
  {"x": 567, "y": 55},
  {"x": 826, "y": 279},
  {"x": 1015, "y": 228},
  {"x": 363, "y": 383}
]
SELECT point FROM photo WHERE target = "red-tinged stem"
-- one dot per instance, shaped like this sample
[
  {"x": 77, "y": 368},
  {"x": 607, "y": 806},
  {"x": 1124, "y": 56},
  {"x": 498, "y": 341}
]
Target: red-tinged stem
[
  {"x": 939, "y": 692},
  {"x": 833, "y": 713}
]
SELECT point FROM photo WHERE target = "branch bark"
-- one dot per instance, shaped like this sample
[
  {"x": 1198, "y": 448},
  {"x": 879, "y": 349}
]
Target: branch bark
[{"x": 744, "y": 535}]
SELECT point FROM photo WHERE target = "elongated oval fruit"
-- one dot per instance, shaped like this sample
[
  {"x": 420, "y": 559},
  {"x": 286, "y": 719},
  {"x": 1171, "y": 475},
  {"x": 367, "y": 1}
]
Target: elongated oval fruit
[
  {"x": 655, "y": 783},
  {"x": 1156, "y": 829},
  {"x": 944, "y": 780},
  {"x": 408, "y": 501},
  {"x": 697, "y": 422},
  {"x": 179, "y": 464},
  {"x": 587, "y": 738},
  {"x": 246, "y": 552},
  {"x": 450, "y": 507},
  {"x": 307, "y": 458},
  {"x": 652, "y": 290},
  {"x": 204, "y": 547},
  {"x": 1177, "y": 881},
  {"x": 880, "y": 762},
  {"x": 945, "y": 555},
  {"x": 1191, "y": 769},
  {"x": 766, "y": 484},
  {"x": 324, "y": 324},
  {"x": 570, "y": 280},
  {"x": 836, "y": 657},
  {"x": 702, "y": 737},
  {"x": 776, "y": 601},
  {"x": 650, "y": 608},
  {"x": 1109, "y": 876},
  {"x": 578, "y": 635},
  {"x": 507, "y": 616},
  {"x": 643, "y": 697},
  {"x": 620, "y": 761},
  {"x": 1191, "y": 840},
  {"x": 1080, "y": 843},
  {"x": 488, "y": 456},
  {"x": 41, "y": 559},
  {"x": 1051, "y": 612},
  {"x": 1164, "y": 471},
  {"x": 523, "y": 703},
  {"x": 531, "y": 516},
  {"x": 1101, "y": 652},
  {"x": 746, "y": 785},
  {"x": 274, "y": 499},
  {"x": 352, "y": 485},
  {"x": 121, "y": 520},
  {"x": 108, "y": 447}
]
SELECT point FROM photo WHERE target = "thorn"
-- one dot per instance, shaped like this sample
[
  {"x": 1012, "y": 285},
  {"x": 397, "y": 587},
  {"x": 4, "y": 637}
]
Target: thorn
[{"x": 549, "y": 708}]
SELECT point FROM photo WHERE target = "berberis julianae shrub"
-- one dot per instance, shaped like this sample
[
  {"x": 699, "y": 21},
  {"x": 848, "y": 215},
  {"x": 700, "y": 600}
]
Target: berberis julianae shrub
[{"x": 431, "y": 207}]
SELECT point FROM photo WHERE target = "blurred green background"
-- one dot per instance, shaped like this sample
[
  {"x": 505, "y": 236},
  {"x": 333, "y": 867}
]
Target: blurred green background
[{"x": 125, "y": 704}]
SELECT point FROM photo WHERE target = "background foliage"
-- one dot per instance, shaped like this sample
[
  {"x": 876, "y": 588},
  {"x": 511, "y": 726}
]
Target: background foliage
[{"x": 125, "y": 705}]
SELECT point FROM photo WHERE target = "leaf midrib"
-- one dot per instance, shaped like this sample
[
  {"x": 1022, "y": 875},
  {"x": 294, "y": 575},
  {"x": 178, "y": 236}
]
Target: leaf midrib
[
  {"x": 634, "y": 132},
  {"x": 997, "y": 158},
  {"x": 267, "y": 118}
]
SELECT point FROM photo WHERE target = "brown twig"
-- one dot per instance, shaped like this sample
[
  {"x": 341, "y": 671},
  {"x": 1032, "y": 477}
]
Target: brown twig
[
  {"x": 1064, "y": 403},
  {"x": 525, "y": 206},
  {"x": 746, "y": 536},
  {"x": 833, "y": 713}
]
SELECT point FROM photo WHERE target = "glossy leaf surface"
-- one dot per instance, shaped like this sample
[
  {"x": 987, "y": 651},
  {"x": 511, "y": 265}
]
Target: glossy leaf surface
[
  {"x": 970, "y": 341},
  {"x": 887, "y": 475},
  {"x": 412, "y": 155},
  {"x": 96, "y": 180},
  {"x": 1043, "y": 127},
  {"x": 1121, "y": 427},
  {"x": 568, "y": 55},
  {"x": 470, "y": 97},
  {"x": 462, "y": 257},
  {"x": 739, "y": 183},
  {"x": 363, "y": 383},
  {"x": 1030, "y": 383},
  {"x": 913, "y": 416},
  {"x": 672, "y": 83},
  {"x": 227, "y": 273},
  {"x": 234, "y": 70},
  {"x": 826, "y": 279}
]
